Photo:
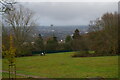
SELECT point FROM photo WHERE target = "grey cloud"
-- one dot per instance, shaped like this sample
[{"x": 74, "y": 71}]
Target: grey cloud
[{"x": 68, "y": 13}]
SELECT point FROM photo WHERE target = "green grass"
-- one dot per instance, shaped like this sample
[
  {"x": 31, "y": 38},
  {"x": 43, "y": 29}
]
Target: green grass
[{"x": 64, "y": 66}]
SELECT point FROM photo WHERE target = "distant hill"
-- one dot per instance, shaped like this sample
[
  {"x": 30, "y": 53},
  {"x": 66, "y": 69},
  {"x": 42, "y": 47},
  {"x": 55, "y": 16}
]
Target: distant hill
[{"x": 60, "y": 31}]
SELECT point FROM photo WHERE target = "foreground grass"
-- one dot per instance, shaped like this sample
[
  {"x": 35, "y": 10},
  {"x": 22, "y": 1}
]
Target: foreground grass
[
  {"x": 6, "y": 75},
  {"x": 64, "y": 66}
]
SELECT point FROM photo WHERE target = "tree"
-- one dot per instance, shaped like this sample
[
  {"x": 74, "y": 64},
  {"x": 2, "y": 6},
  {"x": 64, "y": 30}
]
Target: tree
[
  {"x": 68, "y": 38},
  {"x": 7, "y": 5},
  {"x": 5, "y": 37},
  {"x": 21, "y": 22},
  {"x": 10, "y": 56},
  {"x": 8, "y": 50},
  {"x": 76, "y": 34},
  {"x": 39, "y": 43},
  {"x": 78, "y": 42},
  {"x": 52, "y": 44},
  {"x": 105, "y": 34},
  {"x": 10, "y": 53},
  {"x": 68, "y": 43},
  {"x": 110, "y": 30}
]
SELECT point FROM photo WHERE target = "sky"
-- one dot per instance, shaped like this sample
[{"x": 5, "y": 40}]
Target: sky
[{"x": 69, "y": 13}]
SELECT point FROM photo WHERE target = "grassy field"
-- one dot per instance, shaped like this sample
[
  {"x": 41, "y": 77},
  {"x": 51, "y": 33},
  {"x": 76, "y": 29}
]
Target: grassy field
[
  {"x": 6, "y": 75},
  {"x": 62, "y": 65}
]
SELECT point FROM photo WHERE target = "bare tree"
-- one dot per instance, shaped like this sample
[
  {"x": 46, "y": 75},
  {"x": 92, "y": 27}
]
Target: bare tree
[
  {"x": 21, "y": 22},
  {"x": 6, "y": 5}
]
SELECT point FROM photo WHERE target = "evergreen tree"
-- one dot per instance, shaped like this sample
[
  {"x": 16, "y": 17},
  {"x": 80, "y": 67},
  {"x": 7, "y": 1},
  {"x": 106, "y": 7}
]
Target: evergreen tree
[
  {"x": 68, "y": 45},
  {"x": 39, "y": 43},
  {"x": 78, "y": 42},
  {"x": 52, "y": 44},
  {"x": 68, "y": 39},
  {"x": 76, "y": 34}
]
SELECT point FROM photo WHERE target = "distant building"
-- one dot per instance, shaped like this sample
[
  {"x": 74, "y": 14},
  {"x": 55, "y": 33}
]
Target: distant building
[
  {"x": 32, "y": 43},
  {"x": 61, "y": 41},
  {"x": 86, "y": 32}
]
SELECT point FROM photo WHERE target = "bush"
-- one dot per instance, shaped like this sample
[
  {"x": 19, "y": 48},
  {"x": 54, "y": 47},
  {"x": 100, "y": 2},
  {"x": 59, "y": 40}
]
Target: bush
[
  {"x": 24, "y": 50},
  {"x": 84, "y": 54}
]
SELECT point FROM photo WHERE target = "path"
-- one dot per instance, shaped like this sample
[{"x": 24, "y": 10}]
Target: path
[{"x": 27, "y": 76}]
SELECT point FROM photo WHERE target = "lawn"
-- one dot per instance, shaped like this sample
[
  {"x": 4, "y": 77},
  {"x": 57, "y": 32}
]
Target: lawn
[
  {"x": 62, "y": 65},
  {"x": 6, "y": 75}
]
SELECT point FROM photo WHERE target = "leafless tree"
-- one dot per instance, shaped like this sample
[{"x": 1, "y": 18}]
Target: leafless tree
[
  {"x": 21, "y": 22},
  {"x": 7, "y": 5}
]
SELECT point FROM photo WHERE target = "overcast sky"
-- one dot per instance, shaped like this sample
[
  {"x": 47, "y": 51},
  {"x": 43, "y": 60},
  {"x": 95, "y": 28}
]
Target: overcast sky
[{"x": 69, "y": 13}]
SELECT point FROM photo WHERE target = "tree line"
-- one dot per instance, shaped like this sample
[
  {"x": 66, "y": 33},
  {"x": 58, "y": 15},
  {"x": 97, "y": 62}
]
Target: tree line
[{"x": 102, "y": 36}]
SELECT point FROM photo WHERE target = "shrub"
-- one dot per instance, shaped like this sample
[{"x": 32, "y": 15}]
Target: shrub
[
  {"x": 24, "y": 50},
  {"x": 84, "y": 54}
]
